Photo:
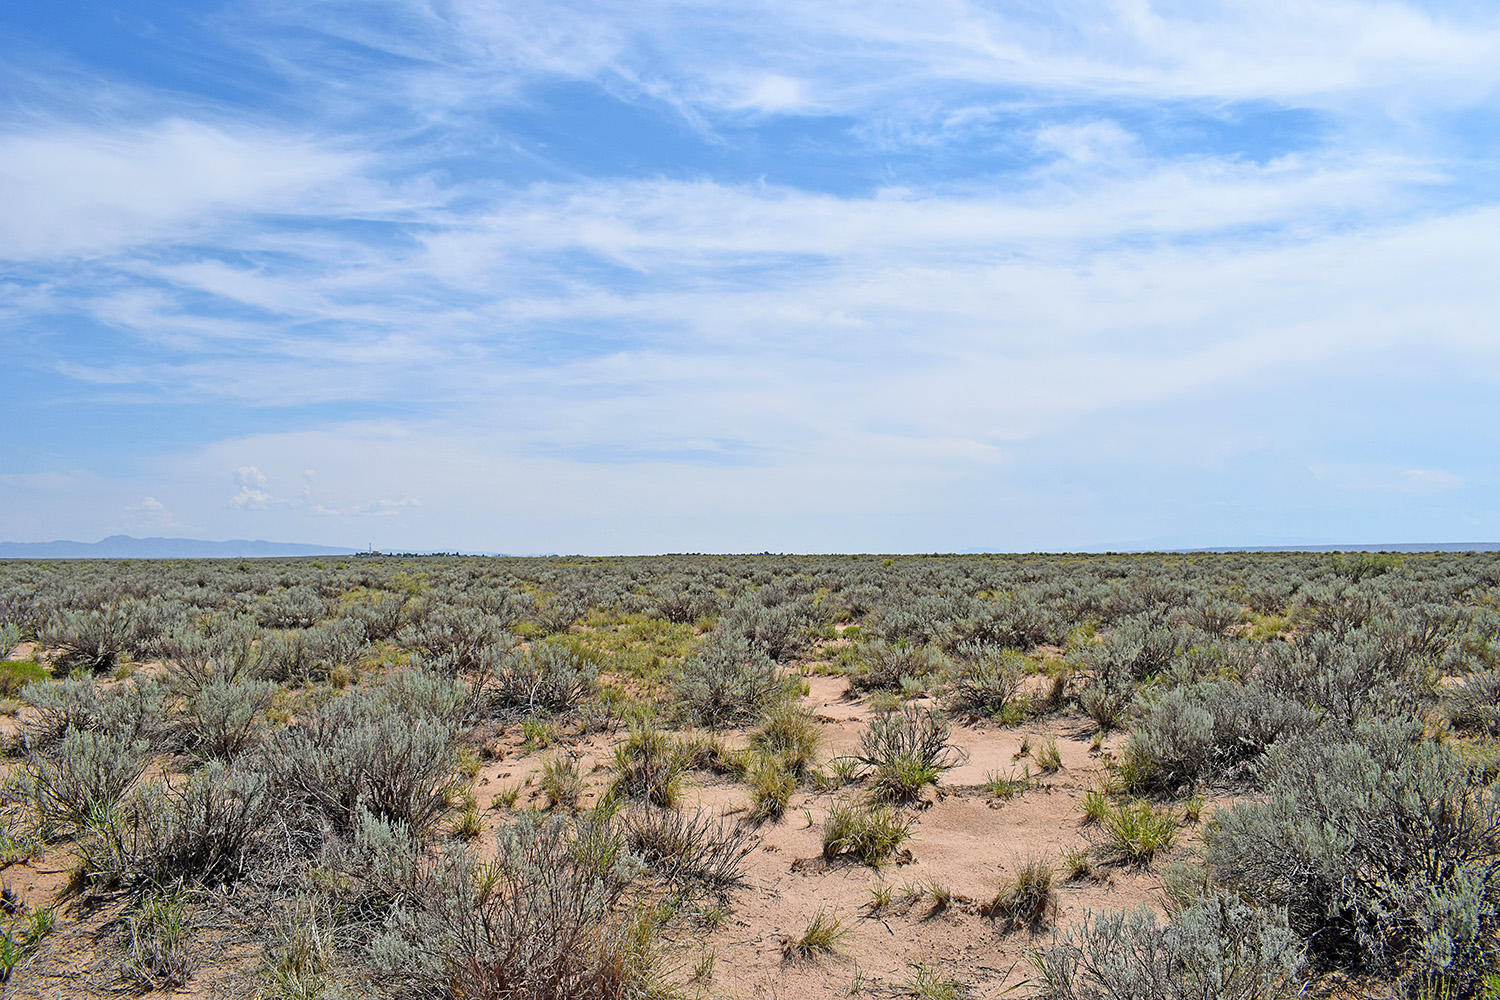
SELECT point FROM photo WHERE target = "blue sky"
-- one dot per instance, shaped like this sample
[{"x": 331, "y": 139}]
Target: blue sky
[{"x": 637, "y": 277}]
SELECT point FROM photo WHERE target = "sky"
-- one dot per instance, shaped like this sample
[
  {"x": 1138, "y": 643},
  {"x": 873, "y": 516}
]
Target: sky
[{"x": 630, "y": 277}]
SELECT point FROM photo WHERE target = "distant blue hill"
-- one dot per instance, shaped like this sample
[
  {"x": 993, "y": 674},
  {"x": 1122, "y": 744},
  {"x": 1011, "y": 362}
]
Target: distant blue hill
[{"x": 126, "y": 547}]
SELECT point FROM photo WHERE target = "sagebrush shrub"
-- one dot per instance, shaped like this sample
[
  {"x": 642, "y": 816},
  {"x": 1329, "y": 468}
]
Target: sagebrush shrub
[
  {"x": 1206, "y": 732},
  {"x": 291, "y": 657},
  {"x": 84, "y": 772},
  {"x": 1134, "y": 650},
  {"x": 542, "y": 677},
  {"x": 544, "y": 921},
  {"x": 887, "y": 664},
  {"x": 1019, "y": 620},
  {"x": 92, "y": 640},
  {"x": 430, "y": 694},
  {"x": 1216, "y": 949},
  {"x": 777, "y": 631},
  {"x": 1104, "y": 699},
  {"x": 10, "y": 638},
  {"x": 1474, "y": 705},
  {"x": 382, "y": 866},
  {"x": 1212, "y": 616},
  {"x": 1350, "y": 677},
  {"x": 298, "y": 606},
  {"x": 1383, "y": 846},
  {"x": 208, "y": 829},
  {"x": 356, "y": 754},
  {"x": 730, "y": 680},
  {"x": 194, "y": 657},
  {"x": 222, "y": 717},
  {"x": 74, "y": 703},
  {"x": 455, "y": 638},
  {"x": 987, "y": 682}
]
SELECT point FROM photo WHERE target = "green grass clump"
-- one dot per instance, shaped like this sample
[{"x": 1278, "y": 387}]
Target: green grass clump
[
  {"x": 561, "y": 782},
  {"x": 905, "y": 752},
  {"x": 467, "y": 824},
  {"x": 822, "y": 937},
  {"x": 649, "y": 765},
  {"x": 1096, "y": 805},
  {"x": 1135, "y": 832},
  {"x": 1028, "y": 899},
  {"x": 158, "y": 955},
  {"x": 21, "y": 938},
  {"x": 1047, "y": 756},
  {"x": 16, "y": 674},
  {"x": 1008, "y": 786},
  {"x": 790, "y": 734},
  {"x": 1264, "y": 628},
  {"x": 872, "y": 833},
  {"x": 537, "y": 734},
  {"x": 771, "y": 788},
  {"x": 928, "y": 982},
  {"x": 633, "y": 645}
]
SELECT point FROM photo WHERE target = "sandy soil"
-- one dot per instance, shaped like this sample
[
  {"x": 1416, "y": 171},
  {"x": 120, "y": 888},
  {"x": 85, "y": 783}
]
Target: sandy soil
[{"x": 964, "y": 840}]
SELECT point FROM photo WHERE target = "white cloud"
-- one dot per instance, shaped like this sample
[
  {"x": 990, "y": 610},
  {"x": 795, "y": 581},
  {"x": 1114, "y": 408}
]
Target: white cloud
[
  {"x": 1372, "y": 478},
  {"x": 1431, "y": 479},
  {"x": 874, "y": 56},
  {"x": 373, "y": 508},
  {"x": 71, "y": 191},
  {"x": 774, "y": 93},
  {"x": 678, "y": 343},
  {"x": 1087, "y": 142}
]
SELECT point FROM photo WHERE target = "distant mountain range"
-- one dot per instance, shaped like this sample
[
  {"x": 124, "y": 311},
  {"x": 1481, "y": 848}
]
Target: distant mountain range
[{"x": 126, "y": 547}]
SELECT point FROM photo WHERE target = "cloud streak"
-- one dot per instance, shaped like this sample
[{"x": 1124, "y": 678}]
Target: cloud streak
[{"x": 513, "y": 254}]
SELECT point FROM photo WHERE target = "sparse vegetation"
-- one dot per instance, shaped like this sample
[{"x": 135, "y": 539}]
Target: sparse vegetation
[
  {"x": 871, "y": 833},
  {"x": 1136, "y": 832},
  {"x": 1217, "y": 948},
  {"x": 822, "y": 937},
  {"x": 1028, "y": 899},
  {"x": 905, "y": 752},
  {"x": 320, "y": 754}
]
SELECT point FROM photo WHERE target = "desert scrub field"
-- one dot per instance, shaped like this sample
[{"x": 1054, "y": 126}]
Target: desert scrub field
[{"x": 1188, "y": 776}]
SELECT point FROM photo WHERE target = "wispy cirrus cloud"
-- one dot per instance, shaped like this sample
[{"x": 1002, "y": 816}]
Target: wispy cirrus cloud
[{"x": 769, "y": 253}]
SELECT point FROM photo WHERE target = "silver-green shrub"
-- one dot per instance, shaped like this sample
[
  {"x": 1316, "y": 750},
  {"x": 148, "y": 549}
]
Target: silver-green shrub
[
  {"x": 988, "y": 680},
  {"x": 222, "y": 717},
  {"x": 91, "y": 640},
  {"x": 730, "y": 680},
  {"x": 544, "y": 921},
  {"x": 1218, "y": 948},
  {"x": 540, "y": 678},
  {"x": 10, "y": 638},
  {"x": 211, "y": 828},
  {"x": 1383, "y": 846},
  {"x": 83, "y": 772},
  {"x": 358, "y": 754}
]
